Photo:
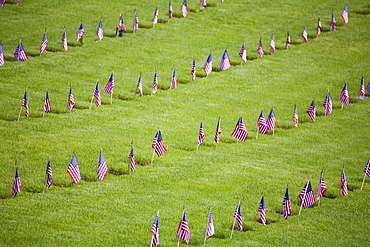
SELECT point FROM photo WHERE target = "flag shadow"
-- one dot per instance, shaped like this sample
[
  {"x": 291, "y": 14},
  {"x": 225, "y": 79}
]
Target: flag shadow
[{"x": 119, "y": 171}]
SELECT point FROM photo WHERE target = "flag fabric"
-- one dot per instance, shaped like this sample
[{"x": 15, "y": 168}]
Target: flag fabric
[
  {"x": 311, "y": 111},
  {"x": 332, "y": 23},
  {"x": 100, "y": 31},
  {"x": 239, "y": 218},
  {"x": 110, "y": 85},
  {"x": 80, "y": 32},
  {"x": 344, "y": 183},
  {"x": 140, "y": 86},
  {"x": 183, "y": 231},
  {"x": 155, "y": 232},
  {"x": 2, "y": 3},
  {"x": 260, "y": 48},
  {"x": 25, "y": 104},
  {"x": 262, "y": 211},
  {"x": 261, "y": 124},
  {"x": 295, "y": 116},
  {"x": 225, "y": 61},
  {"x": 271, "y": 121},
  {"x": 173, "y": 80},
  {"x": 47, "y": 106},
  {"x": 306, "y": 195},
  {"x": 193, "y": 70},
  {"x": 74, "y": 171},
  {"x": 319, "y": 26},
  {"x": 345, "y": 14},
  {"x": 240, "y": 132},
  {"x": 321, "y": 188},
  {"x": 132, "y": 160},
  {"x": 97, "y": 95},
  {"x": 49, "y": 175},
  {"x": 184, "y": 9},
  {"x": 272, "y": 44},
  {"x": 368, "y": 87},
  {"x": 102, "y": 167},
  {"x": 304, "y": 34},
  {"x": 362, "y": 87},
  {"x": 71, "y": 100},
  {"x": 20, "y": 53},
  {"x": 170, "y": 11},
  {"x": 201, "y": 134},
  {"x": 17, "y": 1},
  {"x": 287, "y": 43},
  {"x": 204, "y": 3},
  {"x": 1, "y": 55},
  {"x": 155, "y": 83},
  {"x": 367, "y": 169},
  {"x": 121, "y": 23},
  {"x": 344, "y": 97},
  {"x": 243, "y": 53},
  {"x": 287, "y": 208},
  {"x": 136, "y": 23},
  {"x": 158, "y": 145},
  {"x": 64, "y": 40},
  {"x": 328, "y": 104},
  {"x": 208, "y": 65},
  {"x": 44, "y": 44},
  {"x": 210, "y": 227},
  {"x": 155, "y": 18},
  {"x": 17, "y": 187},
  {"x": 218, "y": 132}
]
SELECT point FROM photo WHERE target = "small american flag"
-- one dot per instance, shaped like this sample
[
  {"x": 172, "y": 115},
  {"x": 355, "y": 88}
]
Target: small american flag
[
  {"x": 121, "y": 23},
  {"x": 136, "y": 23},
  {"x": 362, "y": 87},
  {"x": 328, "y": 104},
  {"x": 261, "y": 124},
  {"x": 17, "y": 187},
  {"x": 306, "y": 195},
  {"x": 49, "y": 175},
  {"x": 155, "y": 83},
  {"x": 208, "y": 65},
  {"x": 81, "y": 32},
  {"x": 25, "y": 104},
  {"x": 158, "y": 145},
  {"x": 201, "y": 134},
  {"x": 368, "y": 87},
  {"x": 311, "y": 111},
  {"x": 271, "y": 121},
  {"x": 140, "y": 86},
  {"x": 132, "y": 160},
  {"x": 260, "y": 48},
  {"x": 155, "y": 18},
  {"x": 155, "y": 232},
  {"x": 100, "y": 32},
  {"x": 1, "y": 55},
  {"x": 319, "y": 26},
  {"x": 225, "y": 61},
  {"x": 170, "y": 11},
  {"x": 97, "y": 95},
  {"x": 344, "y": 97},
  {"x": 184, "y": 9},
  {"x": 295, "y": 116},
  {"x": 193, "y": 70},
  {"x": 321, "y": 187},
  {"x": 240, "y": 132},
  {"x": 345, "y": 14},
  {"x": 20, "y": 53},
  {"x": 64, "y": 40},
  {"x": 47, "y": 107},
  {"x": 2, "y": 3},
  {"x": 218, "y": 132},
  {"x": 71, "y": 100},
  {"x": 102, "y": 167},
  {"x": 17, "y": 1},
  {"x": 243, "y": 53},
  {"x": 304, "y": 34},
  {"x": 287, "y": 43},
  {"x": 203, "y": 3},
  {"x": 262, "y": 211},
  {"x": 183, "y": 231},
  {"x": 74, "y": 171},
  {"x": 344, "y": 183},
  {"x": 272, "y": 44},
  {"x": 210, "y": 227},
  {"x": 173, "y": 80},
  {"x": 332, "y": 23},
  {"x": 287, "y": 209},
  {"x": 110, "y": 85},
  {"x": 239, "y": 218},
  {"x": 44, "y": 44},
  {"x": 367, "y": 169}
]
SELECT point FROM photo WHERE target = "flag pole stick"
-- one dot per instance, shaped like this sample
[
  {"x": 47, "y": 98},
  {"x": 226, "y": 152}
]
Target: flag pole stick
[
  {"x": 304, "y": 197},
  {"x": 363, "y": 181},
  {"x": 92, "y": 99},
  {"x": 257, "y": 132},
  {"x": 152, "y": 157},
  {"x": 232, "y": 229},
  {"x": 19, "y": 115},
  {"x": 205, "y": 234}
]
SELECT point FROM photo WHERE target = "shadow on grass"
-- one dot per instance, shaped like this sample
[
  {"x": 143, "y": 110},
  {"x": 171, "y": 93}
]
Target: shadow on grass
[
  {"x": 183, "y": 81},
  {"x": 54, "y": 49},
  {"x": 162, "y": 20},
  {"x": 119, "y": 171},
  {"x": 251, "y": 58},
  {"x": 110, "y": 35},
  {"x": 142, "y": 161},
  {"x": 161, "y": 87},
  {"x": 200, "y": 75},
  {"x": 285, "y": 126},
  {"x": 216, "y": 69},
  {"x": 81, "y": 107},
  {"x": 124, "y": 97},
  {"x": 361, "y": 12},
  {"x": 145, "y": 26}
]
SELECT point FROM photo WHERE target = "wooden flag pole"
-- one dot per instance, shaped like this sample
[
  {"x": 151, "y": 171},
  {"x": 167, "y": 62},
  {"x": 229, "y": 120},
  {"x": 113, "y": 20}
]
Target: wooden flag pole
[
  {"x": 19, "y": 115},
  {"x": 153, "y": 156},
  {"x": 183, "y": 212},
  {"x": 304, "y": 197},
  {"x": 205, "y": 234},
  {"x": 257, "y": 132},
  {"x": 363, "y": 181},
  {"x": 232, "y": 229}
]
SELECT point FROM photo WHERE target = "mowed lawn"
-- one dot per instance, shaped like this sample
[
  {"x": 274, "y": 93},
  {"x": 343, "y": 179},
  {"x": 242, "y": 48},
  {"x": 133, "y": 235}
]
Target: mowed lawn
[{"x": 121, "y": 209}]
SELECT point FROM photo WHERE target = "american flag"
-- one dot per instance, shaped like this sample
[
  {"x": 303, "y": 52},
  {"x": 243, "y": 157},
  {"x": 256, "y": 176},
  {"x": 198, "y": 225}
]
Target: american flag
[
  {"x": 304, "y": 34},
  {"x": 49, "y": 175},
  {"x": 319, "y": 27},
  {"x": 345, "y": 14},
  {"x": 332, "y": 23},
  {"x": 74, "y": 171},
  {"x": 97, "y": 95},
  {"x": 210, "y": 227},
  {"x": 158, "y": 145},
  {"x": 321, "y": 187},
  {"x": 136, "y": 23},
  {"x": 287, "y": 43},
  {"x": 225, "y": 61},
  {"x": 183, "y": 231},
  {"x": 272, "y": 44},
  {"x": 155, "y": 18},
  {"x": 240, "y": 132},
  {"x": 367, "y": 169},
  {"x": 47, "y": 107},
  {"x": 170, "y": 11},
  {"x": 100, "y": 30},
  {"x": 243, "y": 53},
  {"x": 155, "y": 232},
  {"x": 287, "y": 209},
  {"x": 328, "y": 104},
  {"x": 193, "y": 70},
  {"x": 344, "y": 183},
  {"x": 184, "y": 9},
  {"x": 140, "y": 86},
  {"x": 155, "y": 83},
  {"x": 204, "y": 3},
  {"x": 368, "y": 87},
  {"x": 344, "y": 97},
  {"x": 110, "y": 85},
  {"x": 17, "y": 187},
  {"x": 71, "y": 100},
  {"x": 173, "y": 80},
  {"x": 80, "y": 33},
  {"x": 25, "y": 104},
  {"x": 132, "y": 160},
  {"x": 44, "y": 44},
  {"x": 17, "y": 1},
  {"x": 64, "y": 40},
  {"x": 218, "y": 132},
  {"x": 208, "y": 65},
  {"x": 271, "y": 121},
  {"x": 239, "y": 218},
  {"x": 362, "y": 87},
  {"x": 295, "y": 116},
  {"x": 121, "y": 23},
  {"x": 2, "y": 2},
  {"x": 260, "y": 48},
  {"x": 1, "y": 55},
  {"x": 102, "y": 167},
  {"x": 311, "y": 111},
  {"x": 262, "y": 211},
  {"x": 20, "y": 53},
  {"x": 306, "y": 195},
  {"x": 201, "y": 134},
  {"x": 222, "y": 1},
  {"x": 261, "y": 124}
]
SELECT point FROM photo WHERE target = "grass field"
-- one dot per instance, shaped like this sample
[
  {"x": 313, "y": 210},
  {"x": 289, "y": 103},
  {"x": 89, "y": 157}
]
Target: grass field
[{"x": 121, "y": 209}]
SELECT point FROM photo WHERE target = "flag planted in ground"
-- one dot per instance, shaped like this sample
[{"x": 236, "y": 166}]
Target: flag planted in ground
[
  {"x": 173, "y": 80},
  {"x": 170, "y": 10},
  {"x": 304, "y": 34},
  {"x": 73, "y": 170},
  {"x": 110, "y": 84},
  {"x": 158, "y": 145},
  {"x": 136, "y": 23},
  {"x": 332, "y": 23},
  {"x": 121, "y": 23},
  {"x": 183, "y": 231},
  {"x": 210, "y": 230},
  {"x": 272, "y": 44},
  {"x": 362, "y": 87},
  {"x": 80, "y": 32},
  {"x": 1, "y": 55},
  {"x": 20, "y": 53},
  {"x": 319, "y": 26},
  {"x": 184, "y": 9},
  {"x": 102, "y": 167},
  {"x": 201, "y": 134},
  {"x": 295, "y": 116},
  {"x": 64, "y": 40},
  {"x": 208, "y": 65},
  {"x": 271, "y": 121},
  {"x": 44, "y": 44},
  {"x": 97, "y": 94},
  {"x": 71, "y": 100},
  {"x": 49, "y": 175},
  {"x": 311, "y": 111},
  {"x": 306, "y": 195},
  {"x": 262, "y": 211},
  {"x": 238, "y": 217},
  {"x": 321, "y": 188},
  {"x": 367, "y": 169},
  {"x": 218, "y": 132},
  {"x": 344, "y": 97},
  {"x": 287, "y": 208},
  {"x": 155, "y": 17},
  {"x": 260, "y": 48},
  {"x": 155, "y": 83},
  {"x": 155, "y": 232},
  {"x": 193, "y": 70},
  {"x": 343, "y": 181},
  {"x": 225, "y": 61},
  {"x": 287, "y": 43},
  {"x": 17, "y": 187},
  {"x": 261, "y": 124},
  {"x": 345, "y": 14},
  {"x": 243, "y": 53},
  {"x": 240, "y": 131},
  {"x": 132, "y": 160},
  {"x": 140, "y": 86},
  {"x": 25, "y": 104},
  {"x": 328, "y": 104},
  {"x": 47, "y": 106},
  {"x": 100, "y": 31}
]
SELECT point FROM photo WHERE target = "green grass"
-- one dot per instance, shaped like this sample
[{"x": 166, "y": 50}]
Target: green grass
[{"x": 120, "y": 210}]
